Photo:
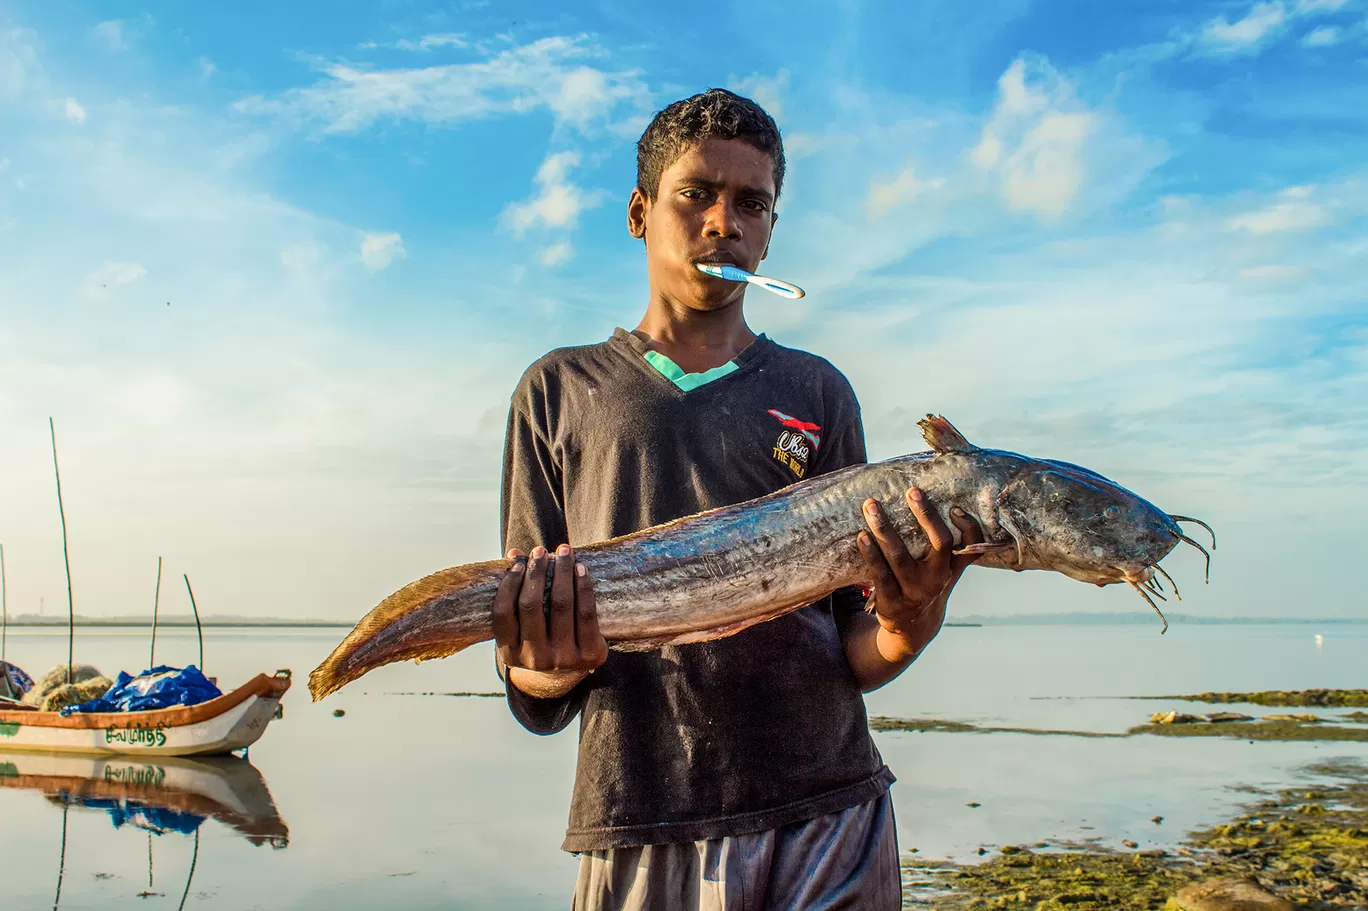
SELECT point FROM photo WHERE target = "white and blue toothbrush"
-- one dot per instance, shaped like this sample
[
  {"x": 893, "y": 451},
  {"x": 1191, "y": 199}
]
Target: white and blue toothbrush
[{"x": 735, "y": 274}]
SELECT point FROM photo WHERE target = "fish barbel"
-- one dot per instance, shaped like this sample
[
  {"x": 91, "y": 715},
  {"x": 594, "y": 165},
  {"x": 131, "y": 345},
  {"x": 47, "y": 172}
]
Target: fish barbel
[{"x": 718, "y": 572}]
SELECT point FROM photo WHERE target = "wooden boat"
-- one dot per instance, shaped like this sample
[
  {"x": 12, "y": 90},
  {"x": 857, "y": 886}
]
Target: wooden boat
[
  {"x": 225, "y": 788},
  {"x": 230, "y": 722}
]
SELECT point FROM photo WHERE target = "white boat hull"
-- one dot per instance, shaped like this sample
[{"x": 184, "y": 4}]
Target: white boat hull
[{"x": 231, "y": 722}]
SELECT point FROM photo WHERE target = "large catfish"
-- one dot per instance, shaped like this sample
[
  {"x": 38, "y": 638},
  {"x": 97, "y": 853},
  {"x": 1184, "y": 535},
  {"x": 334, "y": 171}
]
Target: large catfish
[{"x": 718, "y": 572}]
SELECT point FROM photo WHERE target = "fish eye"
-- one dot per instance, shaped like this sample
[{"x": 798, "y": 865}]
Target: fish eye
[{"x": 1111, "y": 512}]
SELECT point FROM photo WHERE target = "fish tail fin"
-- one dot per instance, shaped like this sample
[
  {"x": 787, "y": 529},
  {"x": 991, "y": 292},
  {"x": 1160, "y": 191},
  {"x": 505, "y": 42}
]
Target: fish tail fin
[
  {"x": 436, "y": 616},
  {"x": 942, "y": 436}
]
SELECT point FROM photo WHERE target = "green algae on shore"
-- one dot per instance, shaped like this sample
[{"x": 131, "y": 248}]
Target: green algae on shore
[
  {"x": 1279, "y": 728},
  {"x": 1320, "y": 697},
  {"x": 1308, "y": 846},
  {"x": 944, "y": 726}
]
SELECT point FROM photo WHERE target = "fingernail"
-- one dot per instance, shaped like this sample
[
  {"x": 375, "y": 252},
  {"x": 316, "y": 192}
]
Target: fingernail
[
  {"x": 581, "y": 570},
  {"x": 864, "y": 539},
  {"x": 916, "y": 494},
  {"x": 538, "y": 552},
  {"x": 958, "y": 512},
  {"x": 563, "y": 550},
  {"x": 871, "y": 507}
]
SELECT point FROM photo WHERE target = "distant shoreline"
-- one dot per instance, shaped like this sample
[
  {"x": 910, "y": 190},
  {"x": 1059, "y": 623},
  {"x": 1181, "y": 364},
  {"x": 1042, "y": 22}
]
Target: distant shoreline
[
  {"x": 31, "y": 621},
  {"x": 126, "y": 623}
]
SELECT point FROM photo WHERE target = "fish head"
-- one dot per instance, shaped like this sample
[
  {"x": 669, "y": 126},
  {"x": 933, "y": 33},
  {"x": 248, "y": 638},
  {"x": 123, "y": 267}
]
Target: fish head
[{"x": 1085, "y": 526}]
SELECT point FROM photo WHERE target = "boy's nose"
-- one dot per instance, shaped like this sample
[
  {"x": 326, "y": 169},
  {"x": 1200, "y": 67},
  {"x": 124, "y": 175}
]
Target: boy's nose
[{"x": 722, "y": 221}]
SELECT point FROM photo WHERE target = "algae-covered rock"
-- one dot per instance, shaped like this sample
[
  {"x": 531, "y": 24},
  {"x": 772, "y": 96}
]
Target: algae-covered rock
[
  {"x": 1263, "y": 729},
  {"x": 1325, "y": 697},
  {"x": 1300, "y": 717},
  {"x": 1219, "y": 717},
  {"x": 1226, "y": 895},
  {"x": 1297, "y": 848}
]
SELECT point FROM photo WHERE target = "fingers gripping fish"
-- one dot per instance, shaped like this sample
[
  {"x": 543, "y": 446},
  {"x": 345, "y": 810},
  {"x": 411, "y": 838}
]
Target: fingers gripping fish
[{"x": 719, "y": 572}]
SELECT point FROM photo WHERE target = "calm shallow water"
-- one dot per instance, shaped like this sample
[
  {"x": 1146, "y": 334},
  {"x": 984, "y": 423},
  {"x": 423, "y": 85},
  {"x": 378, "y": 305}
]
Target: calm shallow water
[{"x": 426, "y": 802}]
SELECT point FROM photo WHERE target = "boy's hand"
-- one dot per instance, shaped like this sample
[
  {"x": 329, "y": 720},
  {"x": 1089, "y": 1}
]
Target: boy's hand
[
  {"x": 547, "y": 655},
  {"x": 910, "y": 595}
]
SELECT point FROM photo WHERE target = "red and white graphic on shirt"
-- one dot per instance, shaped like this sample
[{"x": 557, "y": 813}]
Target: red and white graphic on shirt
[{"x": 795, "y": 444}]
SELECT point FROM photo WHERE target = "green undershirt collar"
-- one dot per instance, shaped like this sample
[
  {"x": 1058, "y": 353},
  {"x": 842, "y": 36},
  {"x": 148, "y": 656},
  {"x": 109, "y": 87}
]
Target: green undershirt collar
[{"x": 686, "y": 381}]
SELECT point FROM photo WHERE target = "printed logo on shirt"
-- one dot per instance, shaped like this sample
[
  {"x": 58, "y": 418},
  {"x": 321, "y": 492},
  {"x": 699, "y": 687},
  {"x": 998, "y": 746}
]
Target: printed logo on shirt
[{"x": 796, "y": 443}]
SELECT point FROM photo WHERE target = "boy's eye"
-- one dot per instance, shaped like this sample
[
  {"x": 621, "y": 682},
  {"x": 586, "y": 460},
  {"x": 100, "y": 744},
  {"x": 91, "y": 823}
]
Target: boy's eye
[
  {"x": 755, "y": 205},
  {"x": 693, "y": 193}
]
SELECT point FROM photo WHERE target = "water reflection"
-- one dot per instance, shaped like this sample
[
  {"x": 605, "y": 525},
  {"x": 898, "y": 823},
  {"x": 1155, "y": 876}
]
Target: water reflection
[{"x": 168, "y": 795}]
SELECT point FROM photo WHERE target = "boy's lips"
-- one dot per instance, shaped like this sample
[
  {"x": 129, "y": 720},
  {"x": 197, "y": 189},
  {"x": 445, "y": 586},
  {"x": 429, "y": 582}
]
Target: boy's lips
[{"x": 720, "y": 258}]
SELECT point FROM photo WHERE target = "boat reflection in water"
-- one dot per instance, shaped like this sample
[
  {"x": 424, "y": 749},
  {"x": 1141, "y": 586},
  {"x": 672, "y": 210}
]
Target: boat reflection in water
[
  {"x": 165, "y": 794},
  {"x": 161, "y": 795}
]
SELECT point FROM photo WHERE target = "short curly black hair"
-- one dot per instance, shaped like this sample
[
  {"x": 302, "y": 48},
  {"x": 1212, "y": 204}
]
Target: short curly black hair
[{"x": 714, "y": 114}]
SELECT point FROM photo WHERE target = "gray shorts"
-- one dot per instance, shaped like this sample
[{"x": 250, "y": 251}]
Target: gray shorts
[{"x": 845, "y": 860}]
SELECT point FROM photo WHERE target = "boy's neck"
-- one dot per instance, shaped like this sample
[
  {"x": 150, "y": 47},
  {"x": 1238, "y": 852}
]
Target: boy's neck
[{"x": 696, "y": 340}]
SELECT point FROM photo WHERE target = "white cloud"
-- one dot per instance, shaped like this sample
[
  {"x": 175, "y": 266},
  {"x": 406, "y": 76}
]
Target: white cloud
[
  {"x": 1262, "y": 25},
  {"x": 73, "y": 111},
  {"x": 428, "y": 42},
  {"x": 1322, "y": 37},
  {"x": 1294, "y": 211},
  {"x": 1035, "y": 141},
  {"x": 1262, "y": 21},
  {"x": 18, "y": 60},
  {"x": 113, "y": 274},
  {"x": 544, "y": 75},
  {"x": 898, "y": 192},
  {"x": 766, "y": 91},
  {"x": 379, "y": 250},
  {"x": 113, "y": 33},
  {"x": 207, "y": 67},
  {"x": 557, "y": 254},
  {"x": 558, "y": 202}
]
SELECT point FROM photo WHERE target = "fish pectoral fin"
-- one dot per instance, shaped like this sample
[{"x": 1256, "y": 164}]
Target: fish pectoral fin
[{"x": 987, "y": 547}]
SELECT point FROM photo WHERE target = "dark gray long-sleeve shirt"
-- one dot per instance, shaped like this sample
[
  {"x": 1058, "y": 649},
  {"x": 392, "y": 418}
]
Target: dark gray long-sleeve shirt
[{"x": 736, "y": 735}]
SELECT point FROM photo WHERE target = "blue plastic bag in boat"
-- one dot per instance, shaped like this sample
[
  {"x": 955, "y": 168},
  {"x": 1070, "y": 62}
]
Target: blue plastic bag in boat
[{"x": 159, "y": 688}]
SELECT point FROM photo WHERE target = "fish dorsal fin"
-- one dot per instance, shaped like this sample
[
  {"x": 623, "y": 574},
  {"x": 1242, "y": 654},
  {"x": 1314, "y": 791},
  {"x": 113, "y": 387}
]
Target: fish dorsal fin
[{"x": 942, "y": 436}]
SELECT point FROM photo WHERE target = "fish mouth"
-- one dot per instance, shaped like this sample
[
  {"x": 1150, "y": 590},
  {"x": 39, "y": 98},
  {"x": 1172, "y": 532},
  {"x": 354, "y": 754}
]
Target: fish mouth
[{"x": 1145, "y": 580}]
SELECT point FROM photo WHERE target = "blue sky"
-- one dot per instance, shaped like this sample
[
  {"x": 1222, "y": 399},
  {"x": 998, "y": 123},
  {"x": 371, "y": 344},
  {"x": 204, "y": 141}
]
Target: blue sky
[{"x": 274, "y": 271}]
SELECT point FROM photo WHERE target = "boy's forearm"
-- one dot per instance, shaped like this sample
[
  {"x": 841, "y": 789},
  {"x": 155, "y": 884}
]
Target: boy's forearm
[
  {"x": 877, "y": 655},
  {"x": 545, "y": 684}
]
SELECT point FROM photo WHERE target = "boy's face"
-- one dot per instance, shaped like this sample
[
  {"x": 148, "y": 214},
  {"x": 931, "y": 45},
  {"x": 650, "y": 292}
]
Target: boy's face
[{"x": 715, "y": 204}]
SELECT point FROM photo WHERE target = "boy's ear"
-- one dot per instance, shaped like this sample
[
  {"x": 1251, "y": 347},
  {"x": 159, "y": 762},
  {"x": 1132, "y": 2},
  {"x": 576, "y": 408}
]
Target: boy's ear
[{"x": 637, "y": 206}]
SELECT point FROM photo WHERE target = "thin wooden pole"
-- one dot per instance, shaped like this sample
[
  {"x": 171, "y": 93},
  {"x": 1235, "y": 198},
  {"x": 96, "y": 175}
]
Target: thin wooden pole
[
  {"x": 61, "y": 864},
  {"x": 4, "y": 605},
  {"x": 156, "y": 603},
  {"x": 198, "y": 631},
  {"x": 66, "y": 556},
  {"x": 193, "y": 859}
]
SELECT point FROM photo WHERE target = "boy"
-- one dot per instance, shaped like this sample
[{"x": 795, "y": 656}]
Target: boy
[{"x": 738, "y": 773}]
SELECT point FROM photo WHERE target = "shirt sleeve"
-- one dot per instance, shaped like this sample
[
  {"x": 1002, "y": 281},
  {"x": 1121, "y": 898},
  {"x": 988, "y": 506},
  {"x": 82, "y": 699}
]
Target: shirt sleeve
[
  {"x": 531, "y": 513},
  {"x": 842, "y": 446}
]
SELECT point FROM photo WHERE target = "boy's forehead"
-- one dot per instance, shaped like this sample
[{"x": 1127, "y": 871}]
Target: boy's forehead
[{"x": 732, "y": 161}]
